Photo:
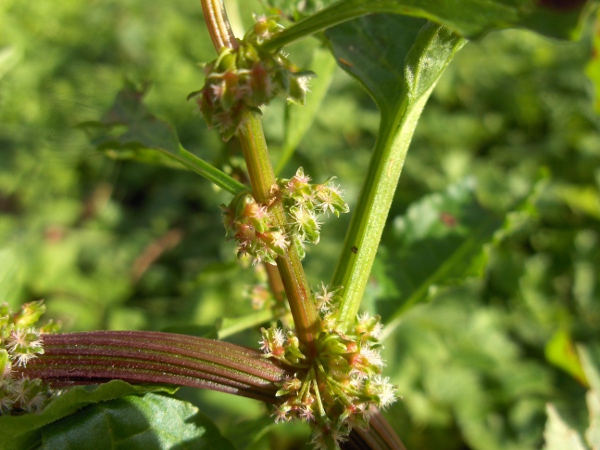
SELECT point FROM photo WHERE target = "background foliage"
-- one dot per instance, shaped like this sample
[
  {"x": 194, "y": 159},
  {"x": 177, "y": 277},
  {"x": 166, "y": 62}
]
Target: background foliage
[{"x": 509, "y": 139}]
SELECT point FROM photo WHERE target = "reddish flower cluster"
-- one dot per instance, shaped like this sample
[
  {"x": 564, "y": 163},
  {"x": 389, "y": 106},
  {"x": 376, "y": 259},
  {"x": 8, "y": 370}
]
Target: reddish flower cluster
[
  {"x": 251, "y": 224},
  {"x": 341, "y": 386},
  {"x": 20, "y": 342},
  {"x": 245, "y": 78}
]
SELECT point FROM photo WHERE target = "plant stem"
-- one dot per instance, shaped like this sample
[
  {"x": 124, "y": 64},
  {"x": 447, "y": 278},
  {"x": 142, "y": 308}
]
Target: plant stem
[
  {"x": 395, "y": 133},
  {"x": 218, "y": 25},
  {"x": 262, "y": 180},
  {"x": 155, "y": 357}
]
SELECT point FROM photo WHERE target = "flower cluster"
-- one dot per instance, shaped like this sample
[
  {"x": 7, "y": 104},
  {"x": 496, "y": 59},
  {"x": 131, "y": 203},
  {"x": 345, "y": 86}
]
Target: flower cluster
[
  {"x": 19, "y": 343},
  {"x": 304, "y": 203},
  {"x": 252, "y": 224},
  {"x": 338, "y": 389},
  {"x": 246, "y": 77}
]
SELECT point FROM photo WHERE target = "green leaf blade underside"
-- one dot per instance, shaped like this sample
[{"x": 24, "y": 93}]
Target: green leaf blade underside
[
  {"x": 370, "y": 51},
  {"x": 469, "y": 18},
  {"x": 439, "y": 241}
]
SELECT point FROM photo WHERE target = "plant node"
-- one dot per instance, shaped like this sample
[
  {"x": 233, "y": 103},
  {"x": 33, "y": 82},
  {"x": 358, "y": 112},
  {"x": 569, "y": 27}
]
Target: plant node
[
  {"x": 246, "y": 77},
  {"x": 251, "y": 224},
  {"x": 20, "y": 342},
  {"x": 339, "y": 388}
]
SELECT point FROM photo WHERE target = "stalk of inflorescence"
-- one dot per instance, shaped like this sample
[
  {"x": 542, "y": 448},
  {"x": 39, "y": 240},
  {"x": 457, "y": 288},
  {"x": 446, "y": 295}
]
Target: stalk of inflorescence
[
  {"x": 338, "y": 383},
  {"x": 263, "y": 182}
]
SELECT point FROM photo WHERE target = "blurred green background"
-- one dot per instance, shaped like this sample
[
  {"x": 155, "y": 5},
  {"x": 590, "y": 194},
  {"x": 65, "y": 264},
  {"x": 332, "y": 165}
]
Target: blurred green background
[{"x": 112, "y": 244}]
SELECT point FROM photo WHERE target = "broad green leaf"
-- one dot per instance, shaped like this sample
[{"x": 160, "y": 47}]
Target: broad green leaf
[
  {"x": 470, "y": 18},
  {"x": 128, "y": 130},
  {"x": 365, "y": 49},
  {"x": 440, "y": 240},
  {"x": 150, "y": 422},
  {"x": 25, "y": 430}
]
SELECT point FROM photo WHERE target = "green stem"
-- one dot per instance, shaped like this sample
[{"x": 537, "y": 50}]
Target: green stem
[
  {"x": 262, "y": 180},
  {"x": 396, "y": 130}
]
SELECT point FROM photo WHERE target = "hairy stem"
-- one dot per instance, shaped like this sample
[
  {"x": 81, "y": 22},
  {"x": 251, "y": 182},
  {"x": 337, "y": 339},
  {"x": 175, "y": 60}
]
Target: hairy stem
[
  {"x": 218, "y": 25},
  {"x": 262, "y": 180},
  {"x": 155, "y": 357}
]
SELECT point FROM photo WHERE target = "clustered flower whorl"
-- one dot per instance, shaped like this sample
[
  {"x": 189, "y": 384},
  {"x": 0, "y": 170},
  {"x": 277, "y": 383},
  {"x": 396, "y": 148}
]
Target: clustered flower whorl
[
  {"x": 338, "y": 389},
  {"x": 20, "y": 342}
]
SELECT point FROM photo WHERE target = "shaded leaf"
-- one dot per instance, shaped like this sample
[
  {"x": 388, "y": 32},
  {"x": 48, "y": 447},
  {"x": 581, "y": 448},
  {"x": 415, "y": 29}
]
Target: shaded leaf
[
  {"x": 363, "y": 48},
  {"x": 470, "y": 18},
  {"x": 129, "y": 130},
  {"x": 150, "y": 422},
  {"x": 24, "y": 430},
  {"x": 440, "y": 240}
]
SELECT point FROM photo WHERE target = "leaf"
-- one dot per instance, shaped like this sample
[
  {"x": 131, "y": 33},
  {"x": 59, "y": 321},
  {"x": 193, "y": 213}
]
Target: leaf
[
  {"x": 363, "y": 48},
  {"x": 26, "y": 428},
  {"x": 149, "y": 422},
  {"x": 440, "y": 240},
  {"x": 561, "y": 352},
  {"x": 469, "y": 18},
  {"x": 128, "y": 130}
]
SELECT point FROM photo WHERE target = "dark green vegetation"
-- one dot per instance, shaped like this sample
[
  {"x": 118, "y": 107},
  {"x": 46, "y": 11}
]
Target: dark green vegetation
[{"x": 505, "y": 156}]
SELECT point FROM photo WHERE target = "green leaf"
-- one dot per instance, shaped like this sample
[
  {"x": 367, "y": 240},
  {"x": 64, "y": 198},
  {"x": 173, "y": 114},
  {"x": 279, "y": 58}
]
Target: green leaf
[
  {"x": 440, "y": 240},
  {"x": 470, "y": 18},
  {"x": 561, "y": 352},
  {"x": 25, "y": 430},
  {"x": 365, "y": 50},
  {"x": 149, "y": 422},
  {"x": 128, "y": 130}
]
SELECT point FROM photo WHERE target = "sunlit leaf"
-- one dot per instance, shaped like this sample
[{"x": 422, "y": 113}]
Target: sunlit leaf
[
  {"x": 26, "y": 429},
  {"x": 150, "y": 422},
  {"x": 470, "y": 18}
]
